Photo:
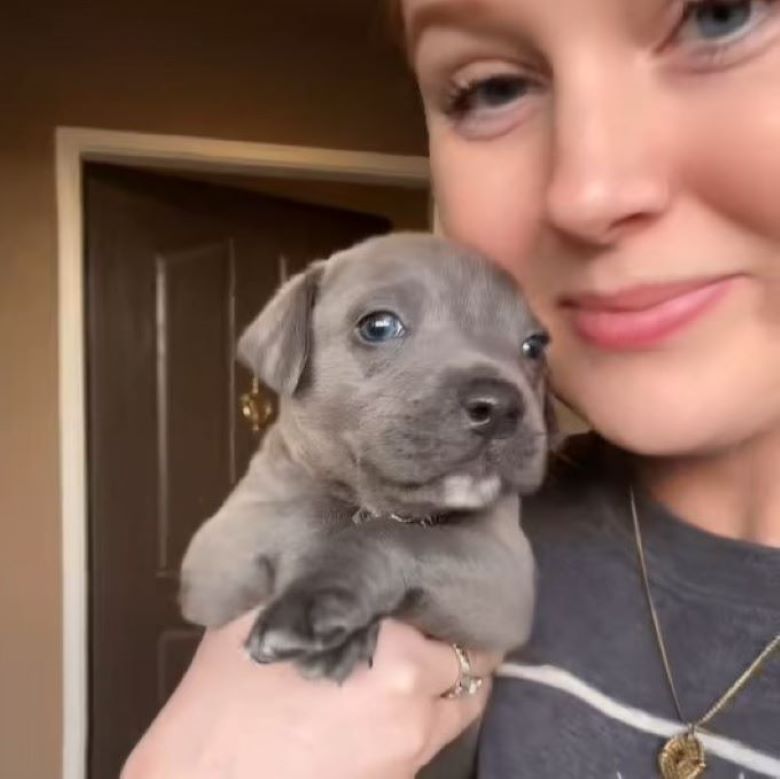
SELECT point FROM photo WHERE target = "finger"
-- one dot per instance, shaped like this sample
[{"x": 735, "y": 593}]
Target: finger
[
  {"x": 453, "y": 717},
  {"x": 411, "y": 662},
  {"x": 442, "y": 668},
  {"x": 236, "y": 631},
  {"x": 482, "y": 664}
]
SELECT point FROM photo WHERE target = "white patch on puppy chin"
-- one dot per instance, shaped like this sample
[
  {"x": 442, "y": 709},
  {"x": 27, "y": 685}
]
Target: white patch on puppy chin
[{"x": 468, "y": 492}]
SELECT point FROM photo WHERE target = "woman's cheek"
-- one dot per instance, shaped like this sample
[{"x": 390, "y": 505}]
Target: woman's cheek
[
  {"x": 731, "y": 146},
  {"x": 488, "y": 195}
]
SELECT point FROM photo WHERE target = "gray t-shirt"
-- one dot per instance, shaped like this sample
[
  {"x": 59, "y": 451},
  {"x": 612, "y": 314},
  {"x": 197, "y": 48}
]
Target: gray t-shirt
[{"x": 588, "y": 696}]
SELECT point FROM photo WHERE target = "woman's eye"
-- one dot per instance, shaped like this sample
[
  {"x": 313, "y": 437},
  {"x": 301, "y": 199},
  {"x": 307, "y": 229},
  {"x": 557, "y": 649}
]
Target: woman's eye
[
  {"x": 486, "y": 95},
  {"x": 535, "y": 345},
  {"x": 717, "y": 21},
  {"x": 380, "y": 327}
]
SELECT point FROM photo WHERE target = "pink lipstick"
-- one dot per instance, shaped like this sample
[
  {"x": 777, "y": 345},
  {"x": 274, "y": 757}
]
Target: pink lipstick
[{"x": 642, "y": 317}]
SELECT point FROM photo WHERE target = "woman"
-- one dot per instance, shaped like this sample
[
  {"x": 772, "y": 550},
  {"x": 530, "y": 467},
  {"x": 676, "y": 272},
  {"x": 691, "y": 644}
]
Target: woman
[{"x": 622, "y": 159}]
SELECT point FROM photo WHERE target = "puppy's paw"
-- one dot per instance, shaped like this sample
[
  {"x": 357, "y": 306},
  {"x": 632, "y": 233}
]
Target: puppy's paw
[
  {"x": 323, "y": 627},
  {"x": 339, "y": 663}
]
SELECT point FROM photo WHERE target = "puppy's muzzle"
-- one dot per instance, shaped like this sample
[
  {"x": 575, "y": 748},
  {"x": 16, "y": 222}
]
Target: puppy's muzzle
[{"x": 492, "y": 407}]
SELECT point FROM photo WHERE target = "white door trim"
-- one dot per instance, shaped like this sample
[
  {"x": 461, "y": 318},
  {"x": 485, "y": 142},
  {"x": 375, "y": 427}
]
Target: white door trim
[{"x": 73, "y": 147}]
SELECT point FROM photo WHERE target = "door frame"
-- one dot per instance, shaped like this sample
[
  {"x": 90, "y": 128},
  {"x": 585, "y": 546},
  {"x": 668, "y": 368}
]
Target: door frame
[{"x": 75, "y": 146}]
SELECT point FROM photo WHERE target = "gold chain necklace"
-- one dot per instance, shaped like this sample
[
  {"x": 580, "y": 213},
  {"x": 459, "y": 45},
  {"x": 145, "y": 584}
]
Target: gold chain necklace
[{"x": 682, "y": 757}]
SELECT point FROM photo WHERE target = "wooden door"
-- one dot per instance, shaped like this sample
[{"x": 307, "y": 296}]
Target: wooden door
[{"x": 175, "y": 270}]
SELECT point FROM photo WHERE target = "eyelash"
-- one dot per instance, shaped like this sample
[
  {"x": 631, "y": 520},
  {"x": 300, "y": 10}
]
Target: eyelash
[
  {"x": 714, "y": 53},
  {"x": 708, "y": 54},
  {"x": 460, "y": 94}
]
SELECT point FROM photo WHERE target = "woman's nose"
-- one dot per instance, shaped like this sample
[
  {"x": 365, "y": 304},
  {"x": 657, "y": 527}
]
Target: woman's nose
[{"x": 608, "y": 167}]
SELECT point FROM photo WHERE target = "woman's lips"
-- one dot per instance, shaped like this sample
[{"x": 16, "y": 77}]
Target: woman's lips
[{"x": 643, "y": 316}]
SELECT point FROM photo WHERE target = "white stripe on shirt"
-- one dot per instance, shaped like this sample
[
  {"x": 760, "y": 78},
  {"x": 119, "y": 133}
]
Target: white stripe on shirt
[{"x": 728, "y": 749}]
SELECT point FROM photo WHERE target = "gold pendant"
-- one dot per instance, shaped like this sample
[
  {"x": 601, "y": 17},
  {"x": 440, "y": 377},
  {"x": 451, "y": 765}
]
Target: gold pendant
[{"x": 682, "y": 757}]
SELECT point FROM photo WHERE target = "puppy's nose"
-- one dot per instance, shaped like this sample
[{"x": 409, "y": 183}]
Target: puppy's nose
[{"x": 493, "y": 407}]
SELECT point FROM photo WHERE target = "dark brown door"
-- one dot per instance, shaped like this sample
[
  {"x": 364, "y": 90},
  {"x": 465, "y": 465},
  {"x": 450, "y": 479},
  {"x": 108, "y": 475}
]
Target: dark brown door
[{"x": 175, "y": 271}]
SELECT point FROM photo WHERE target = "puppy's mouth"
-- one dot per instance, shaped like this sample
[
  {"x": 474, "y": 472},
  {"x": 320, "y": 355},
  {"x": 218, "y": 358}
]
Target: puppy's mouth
[
  {"x": 375, "y": 473},
  {"x": 481, "y": 460},
  {"x": 461, "y": 487},
  {"x": 472, "y": 477}
]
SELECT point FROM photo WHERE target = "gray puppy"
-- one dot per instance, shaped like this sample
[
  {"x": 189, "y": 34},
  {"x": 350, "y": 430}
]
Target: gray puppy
[{"x": 412, "y": 415}]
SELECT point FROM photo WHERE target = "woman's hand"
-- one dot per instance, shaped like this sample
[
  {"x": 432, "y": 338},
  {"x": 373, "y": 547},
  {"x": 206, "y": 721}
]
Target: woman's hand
[{"x": 232, "y": 718}]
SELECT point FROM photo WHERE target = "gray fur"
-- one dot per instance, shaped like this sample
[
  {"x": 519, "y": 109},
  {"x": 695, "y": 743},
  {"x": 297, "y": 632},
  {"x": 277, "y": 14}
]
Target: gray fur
[
  {"x": 276, "y": 345},
  {"x": 380, "y": 427}
]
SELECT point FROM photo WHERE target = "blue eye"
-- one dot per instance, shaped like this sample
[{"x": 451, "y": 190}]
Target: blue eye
[
  {"x": 713, "y": 20},
  {"x": 380, "y": 327},
  {"x": 486, "y": 95},
  {"x": 535, "y": 345}
]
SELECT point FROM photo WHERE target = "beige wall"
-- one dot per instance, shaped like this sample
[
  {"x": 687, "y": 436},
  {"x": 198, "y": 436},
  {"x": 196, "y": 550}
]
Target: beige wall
[{"x": 301, "y": 74}]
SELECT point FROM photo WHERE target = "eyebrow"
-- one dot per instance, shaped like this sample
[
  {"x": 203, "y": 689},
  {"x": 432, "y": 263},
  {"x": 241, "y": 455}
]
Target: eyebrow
[
  {"x": 472, "y": 15},
  {"x": 443, "y": 13}
]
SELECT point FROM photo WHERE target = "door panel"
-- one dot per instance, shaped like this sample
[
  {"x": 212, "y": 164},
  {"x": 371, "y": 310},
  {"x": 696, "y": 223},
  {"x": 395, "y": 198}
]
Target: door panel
[
  {"x": 195, "y": 432},
  {"x": 175, "y": 271}
]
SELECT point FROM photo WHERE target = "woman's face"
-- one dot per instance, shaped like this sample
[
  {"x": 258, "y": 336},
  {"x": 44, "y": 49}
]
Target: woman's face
[{"x": 623, "y": 160}]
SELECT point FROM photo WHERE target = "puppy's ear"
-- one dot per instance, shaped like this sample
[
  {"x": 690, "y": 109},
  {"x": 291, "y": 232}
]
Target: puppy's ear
[{"x": 276, "y": 345}]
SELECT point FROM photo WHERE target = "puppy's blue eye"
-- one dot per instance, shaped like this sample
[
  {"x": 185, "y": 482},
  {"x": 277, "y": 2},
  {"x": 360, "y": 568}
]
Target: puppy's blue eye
[
  {"x": 535, "y": 345},
  {"x": 380, "y": 327}
]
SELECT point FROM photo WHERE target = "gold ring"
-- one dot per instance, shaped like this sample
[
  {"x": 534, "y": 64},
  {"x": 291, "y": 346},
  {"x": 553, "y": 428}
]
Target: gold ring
[{"x": 467, "y": 683}]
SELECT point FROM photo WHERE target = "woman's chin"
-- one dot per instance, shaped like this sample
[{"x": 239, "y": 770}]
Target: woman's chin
[
  {"x": 676, "y": 430},
  {"x": 660, "y": 424},
  {"x": 641, "y": 437}
]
